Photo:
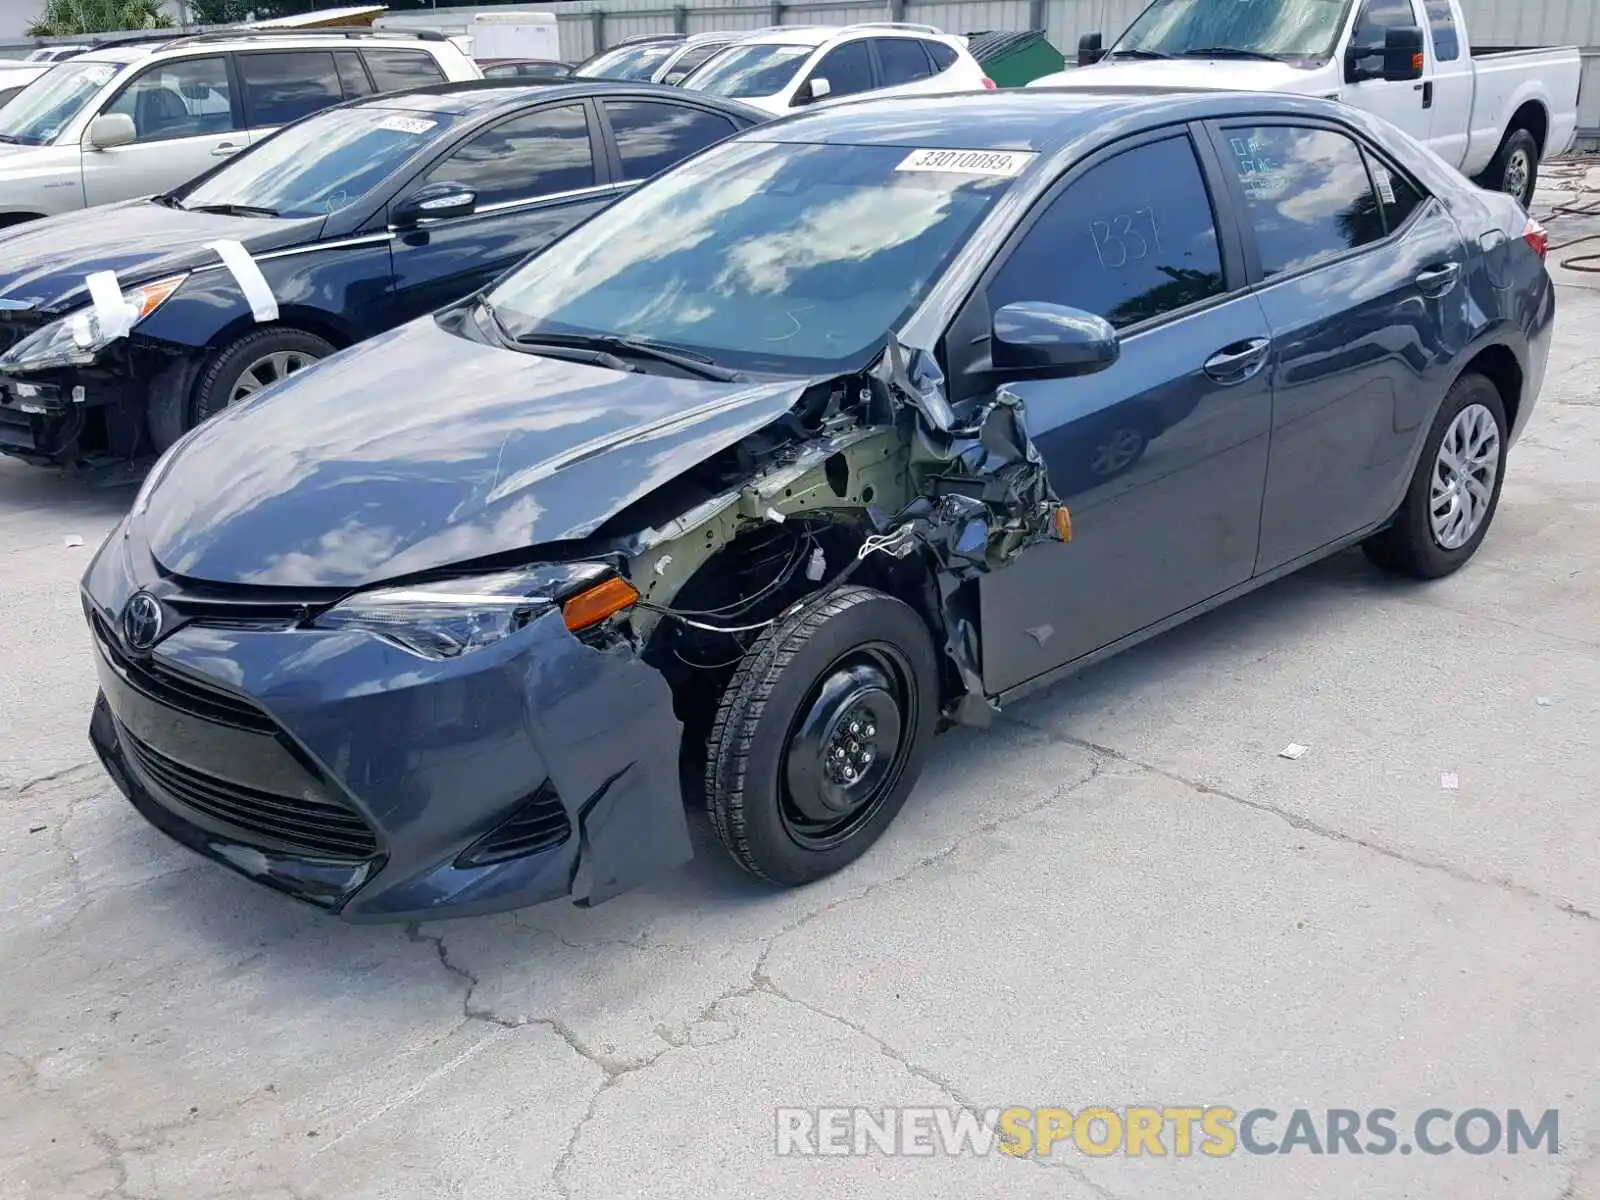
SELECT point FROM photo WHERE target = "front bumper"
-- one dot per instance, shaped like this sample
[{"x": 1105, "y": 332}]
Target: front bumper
[{"x": 352, "y": 774}]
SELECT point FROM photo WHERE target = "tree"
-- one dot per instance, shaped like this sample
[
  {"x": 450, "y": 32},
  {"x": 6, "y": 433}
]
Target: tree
[
  {"x": 70, "y": 18},
  {"x": 220, "y": 12}
]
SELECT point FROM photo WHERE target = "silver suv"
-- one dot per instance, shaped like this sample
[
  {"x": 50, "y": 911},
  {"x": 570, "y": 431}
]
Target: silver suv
[{"x": 137, "y": 118}]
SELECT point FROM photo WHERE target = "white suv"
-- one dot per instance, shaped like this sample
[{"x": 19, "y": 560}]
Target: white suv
[
  {"x": 138, "y": 118},
  {"x": 791, "y": 66}
]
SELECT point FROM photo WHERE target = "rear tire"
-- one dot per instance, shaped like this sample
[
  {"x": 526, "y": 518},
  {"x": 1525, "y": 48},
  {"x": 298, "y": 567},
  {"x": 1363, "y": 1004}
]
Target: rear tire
[
  {"x": 821, "y": 735},
  {"x": 1439, "y": 526},
  {"x": 1515, "y": 169}
]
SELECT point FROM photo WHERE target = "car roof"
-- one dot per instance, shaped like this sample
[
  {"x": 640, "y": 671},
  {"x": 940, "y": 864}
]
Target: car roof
[
  {"x": 1041, "y": 120},
  {"x": 471, "y": 97},
  {"x": 142, "y": 46},
  {"x": 816, "y": 35}
]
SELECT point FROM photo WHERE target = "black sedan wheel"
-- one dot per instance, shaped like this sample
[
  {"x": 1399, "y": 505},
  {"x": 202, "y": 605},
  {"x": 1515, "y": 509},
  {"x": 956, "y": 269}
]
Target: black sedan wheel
[
  {"x": 821, "y": 735},
  {"x": 251, "y": 363},
  {"x": 1456, "y": 487}
]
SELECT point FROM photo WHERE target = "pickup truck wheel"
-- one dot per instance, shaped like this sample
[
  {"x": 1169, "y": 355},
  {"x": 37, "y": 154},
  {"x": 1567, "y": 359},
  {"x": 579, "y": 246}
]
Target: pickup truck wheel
[
  {"x": 1515, "y": 170},
  {"x": 821, "y": 735},
  {"x": 1455, "y": 490}
]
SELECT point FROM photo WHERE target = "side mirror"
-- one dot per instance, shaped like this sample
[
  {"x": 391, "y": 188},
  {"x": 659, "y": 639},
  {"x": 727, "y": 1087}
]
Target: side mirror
[
  {"x": 814, "y": 89},
  {"x": 1051, "y": 341},
  {"x": 435, "y": 202},
  {"x": 1091, "y": 49},
  {"x": 1402, "y": 53},
  {"x": 110, "y": 130}
]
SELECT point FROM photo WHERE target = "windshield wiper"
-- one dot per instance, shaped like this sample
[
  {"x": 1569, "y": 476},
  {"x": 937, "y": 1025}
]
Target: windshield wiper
[
  {"x": 234, "y": 210},
  {"x": 1137, "y": 54},
  {"x": 562, "y": 350},
  {"x": 1230, "y": 52},
  {"x": 684, "y": 360}
]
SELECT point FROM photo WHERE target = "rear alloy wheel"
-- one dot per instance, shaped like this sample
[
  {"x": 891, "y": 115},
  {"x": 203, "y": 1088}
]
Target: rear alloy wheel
[
  {"x": 1456, "y": 487},
  {"x": 821, "y": 735},
  {"x": 252, "y": 363}
]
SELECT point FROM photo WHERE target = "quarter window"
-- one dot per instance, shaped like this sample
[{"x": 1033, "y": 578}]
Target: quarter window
[
  {"x": 1131, "y": 239},
  {"x": 284, "y": 86},
  {"x": 183, "y": 98},
  {"x": 1442, "y": 20},
  {"x": 396, "y": 69},
  {"x": 539, "y": 154},
  {"x": 902, "y": 60},
  {"x": 847, "y": 68},
  {"x": 652, "y": 137},
  {"x": 352, "y": 75},
  {"x": 943, "y": 56},
  {"x": 1306, "y": 192}
]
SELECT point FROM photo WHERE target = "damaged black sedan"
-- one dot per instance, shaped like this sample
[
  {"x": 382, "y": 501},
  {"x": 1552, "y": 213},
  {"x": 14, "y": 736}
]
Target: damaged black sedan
[{"x": 857, "y": 425}]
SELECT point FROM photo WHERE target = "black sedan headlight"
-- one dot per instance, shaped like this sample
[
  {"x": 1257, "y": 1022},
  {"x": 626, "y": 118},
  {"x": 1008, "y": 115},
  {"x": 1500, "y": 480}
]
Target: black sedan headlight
[
  {"x": 450, "y": 617},
  {"x": 77, "y": 339}
]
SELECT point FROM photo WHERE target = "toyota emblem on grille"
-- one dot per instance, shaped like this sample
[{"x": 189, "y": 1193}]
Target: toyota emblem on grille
[{"x": 141, "y": 621}]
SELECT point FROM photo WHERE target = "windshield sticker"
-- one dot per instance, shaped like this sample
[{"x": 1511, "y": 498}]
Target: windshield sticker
[
  {"x": 1385, "y": 183},
  {"x": 1004, "y": 164},
  {"x": 406, "y": 124}
]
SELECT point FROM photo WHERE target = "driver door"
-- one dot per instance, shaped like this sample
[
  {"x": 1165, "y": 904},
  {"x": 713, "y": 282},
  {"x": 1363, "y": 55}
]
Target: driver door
[
  {"x": 1406, "y": 103},
  {"x": 187, "y": 118},
  {"x": 1161, "y": 458}
]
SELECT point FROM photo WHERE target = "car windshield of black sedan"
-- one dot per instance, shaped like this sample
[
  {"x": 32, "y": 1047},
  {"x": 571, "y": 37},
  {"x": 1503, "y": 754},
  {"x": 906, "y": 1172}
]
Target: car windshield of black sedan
[
  {"x": 763, "y": 256},
  {"x": 320, "y": 165}
]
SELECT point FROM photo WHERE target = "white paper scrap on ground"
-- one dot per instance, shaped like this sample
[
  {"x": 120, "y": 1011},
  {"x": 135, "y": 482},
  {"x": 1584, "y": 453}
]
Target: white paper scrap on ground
[
  {"x": 1450, "y": 781},
  {"x": 1292, "y": 750},
  {"x": 73, "y": 539}
]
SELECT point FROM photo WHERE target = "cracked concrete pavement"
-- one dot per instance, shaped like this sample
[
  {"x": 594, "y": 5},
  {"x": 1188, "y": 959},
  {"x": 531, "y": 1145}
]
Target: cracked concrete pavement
[{"x": 1120, "y": 895}]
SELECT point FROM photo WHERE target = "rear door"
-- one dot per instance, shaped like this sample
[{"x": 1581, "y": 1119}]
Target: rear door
[
  {"x": 648, "y": 136},
  {"x": 284, "y": 85},
  {"x": 1161, "y": 458},
  {"x": 187, "y": 116},
  {"x": 536, "y": 175},
  {"x": 1360, "y": 274}
]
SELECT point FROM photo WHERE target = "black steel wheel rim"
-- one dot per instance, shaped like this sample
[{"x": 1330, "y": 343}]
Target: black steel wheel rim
[{"x": 847, "y": 747}]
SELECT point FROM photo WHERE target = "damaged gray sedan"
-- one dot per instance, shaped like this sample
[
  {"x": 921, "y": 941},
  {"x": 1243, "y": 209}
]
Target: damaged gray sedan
[{"x": 849, "y": 428}]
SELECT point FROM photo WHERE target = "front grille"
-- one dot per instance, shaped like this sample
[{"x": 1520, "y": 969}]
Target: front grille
[
  {"x": 312, "y": 827},
  {"x": 182, "y": 692},
  {"x": 539, "y": 824}
]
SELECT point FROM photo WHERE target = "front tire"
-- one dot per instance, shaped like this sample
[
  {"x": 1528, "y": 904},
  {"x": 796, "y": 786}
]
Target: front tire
[
  {"x": 821, "y": 735},
  {"x": 1455, "y": 490}
]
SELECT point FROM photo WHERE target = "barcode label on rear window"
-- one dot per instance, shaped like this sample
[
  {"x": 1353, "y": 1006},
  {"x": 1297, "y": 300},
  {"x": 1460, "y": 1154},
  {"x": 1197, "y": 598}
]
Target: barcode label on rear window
[
  {"x": 1003, "y": 163},
  {"x": 1385, "y": 183}
]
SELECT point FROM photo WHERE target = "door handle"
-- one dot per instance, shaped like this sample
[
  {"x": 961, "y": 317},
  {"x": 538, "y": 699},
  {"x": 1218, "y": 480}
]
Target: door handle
[
  {"x": 225, "y": 149},
  {"x": 1436, "y": 281},
  {"x": 1236, "y": 363},
  {"x": 1427, "y": 94}
]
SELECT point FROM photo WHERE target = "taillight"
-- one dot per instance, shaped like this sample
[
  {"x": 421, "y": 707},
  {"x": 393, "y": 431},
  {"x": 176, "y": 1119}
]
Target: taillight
[
  {"x": 1537, "y": 237},
  {"x": 989, "y": 83}
]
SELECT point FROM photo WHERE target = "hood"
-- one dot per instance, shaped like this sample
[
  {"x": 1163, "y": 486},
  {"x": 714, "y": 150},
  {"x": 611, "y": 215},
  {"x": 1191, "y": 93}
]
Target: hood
[
  {"x": 43, "y": 263},
  {"x": 420, "y": 449},
  {"x": 1233, "y": 74}
]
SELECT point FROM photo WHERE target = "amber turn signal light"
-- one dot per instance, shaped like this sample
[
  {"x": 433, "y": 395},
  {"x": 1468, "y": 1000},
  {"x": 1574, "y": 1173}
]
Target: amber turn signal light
[{"x": 594, "y": 605}]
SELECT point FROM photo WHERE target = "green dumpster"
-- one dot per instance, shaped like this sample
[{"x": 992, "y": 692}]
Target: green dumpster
[{"x": 1013, "y": 59}]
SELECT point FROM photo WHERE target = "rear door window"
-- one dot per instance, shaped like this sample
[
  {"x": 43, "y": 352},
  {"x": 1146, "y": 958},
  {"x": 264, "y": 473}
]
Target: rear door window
[
  {"x": 1131, "y": 239},
  {"x": 1306, "y": 193},
  {"x": 902, "y": 60},
  {"x": 393, "y": 70},
  {"x": 652, "y": 136},
  {"x": 284, "y": 85},
  {"x": 537, "y": 154}
]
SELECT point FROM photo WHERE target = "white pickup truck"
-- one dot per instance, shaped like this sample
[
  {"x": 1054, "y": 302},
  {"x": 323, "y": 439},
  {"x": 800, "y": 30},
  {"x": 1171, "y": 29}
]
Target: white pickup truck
[{"x": 1491, "y": 112}]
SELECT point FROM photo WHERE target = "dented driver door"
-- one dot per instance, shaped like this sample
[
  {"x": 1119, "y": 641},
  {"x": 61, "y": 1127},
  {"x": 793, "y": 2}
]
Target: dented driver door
[{"x": 1161, "y": 458}]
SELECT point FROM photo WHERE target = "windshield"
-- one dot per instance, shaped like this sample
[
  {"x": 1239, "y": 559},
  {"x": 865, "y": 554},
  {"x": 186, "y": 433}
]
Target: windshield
[
  {"x": 694, "y": 56},
  {"x": 319, "y": 165},
  {"x": 1287, "y": 29},
  {"x": 793, "y": 259},
  {"x": 749, "y": 71},
  {"x": 43, "y": 108},
  {"x": 628, "y": 62}
]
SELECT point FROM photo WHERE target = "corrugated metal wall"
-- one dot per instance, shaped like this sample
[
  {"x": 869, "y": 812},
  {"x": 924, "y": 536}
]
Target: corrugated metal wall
[{"x": 1492, "y": 22}]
